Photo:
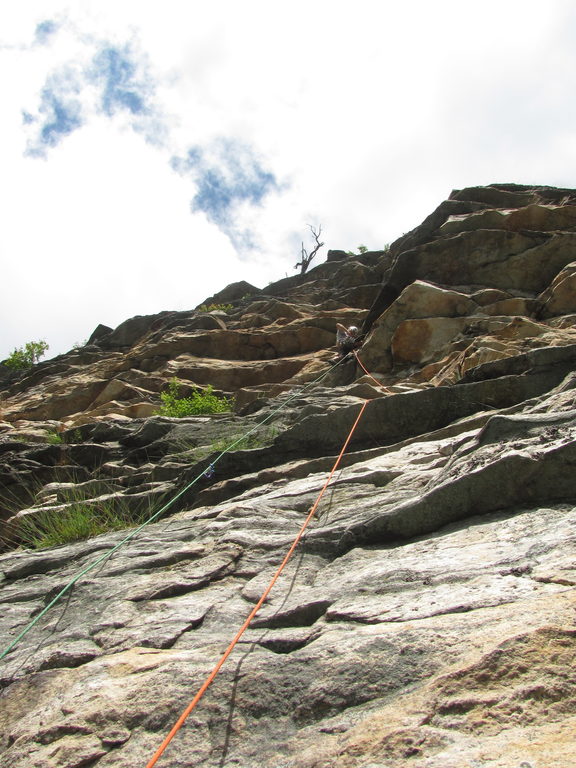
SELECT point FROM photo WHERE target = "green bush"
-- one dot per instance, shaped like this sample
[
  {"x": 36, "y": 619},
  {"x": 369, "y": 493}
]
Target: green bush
[
  {"x": 215, "y": 308},
  {"x": 26, "y": 356},
  {"x": 198, "y": 403}
]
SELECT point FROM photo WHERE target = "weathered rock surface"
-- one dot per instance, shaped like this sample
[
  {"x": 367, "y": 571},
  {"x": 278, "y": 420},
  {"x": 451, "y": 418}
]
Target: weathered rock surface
[{"x": 427, "y": 618}]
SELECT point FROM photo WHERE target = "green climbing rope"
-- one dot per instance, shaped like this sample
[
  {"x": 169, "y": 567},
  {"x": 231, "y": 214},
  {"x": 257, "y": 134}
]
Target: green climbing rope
[{"x": 152, "y": 518}]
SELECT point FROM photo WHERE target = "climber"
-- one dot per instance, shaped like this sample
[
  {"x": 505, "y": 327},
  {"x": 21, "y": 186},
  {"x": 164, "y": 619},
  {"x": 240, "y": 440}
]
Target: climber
[{"x": 347, "y": 339}]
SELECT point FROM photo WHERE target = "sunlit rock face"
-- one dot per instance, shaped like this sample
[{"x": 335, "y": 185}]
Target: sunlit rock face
[{"x": 427, "y": 616}]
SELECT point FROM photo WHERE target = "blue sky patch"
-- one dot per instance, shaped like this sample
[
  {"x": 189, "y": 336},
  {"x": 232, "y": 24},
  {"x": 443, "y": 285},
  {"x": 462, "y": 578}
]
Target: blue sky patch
[
  {"x": 63, "y": 116},
  {"x": 59, "y": 113},
  {"x": 68, "y": 98},
  {"x": 227, "y": 174},
  {"x": 44, "y": 31},
  {"x": 123, "y": 86}
]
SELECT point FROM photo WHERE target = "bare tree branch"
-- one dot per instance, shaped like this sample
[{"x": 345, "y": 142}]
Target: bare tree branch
[{"x": 305, "y": 257}]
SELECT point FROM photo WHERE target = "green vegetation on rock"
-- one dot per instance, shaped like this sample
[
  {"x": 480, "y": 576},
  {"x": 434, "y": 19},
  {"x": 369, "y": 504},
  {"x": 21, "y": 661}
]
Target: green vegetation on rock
[
  {"x": 216, "y": 308},
  {"x": 54, "y": 438},
  {"x": 199, "y": 402},
  {"x": 236, "y": 442},
  {"x": 77, "y": 522},
  {"x": 25, "y": 357},
  {"x": 72, "y": 513}
]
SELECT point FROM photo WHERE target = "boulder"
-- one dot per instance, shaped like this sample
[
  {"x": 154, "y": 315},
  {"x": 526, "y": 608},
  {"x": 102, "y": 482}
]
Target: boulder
[
  {"x": 232, "y": 292},
  {"x": 505, "y": 195},
  {"x": 207, "y": 322},
  {"x": 266, "y": 344},
  {"x": 560, "y": 296},
  {"x": 420, "y": 299},
  {"x": 99, "y": 333},
  {"x": 487, "y": 296},
  {"x": 524, "y": 261},
  {"x": 514, "y": 306},
  {"x": 232, "y": 377},
  {"x": 418, "y": 341},
  {"x": 334, "y": 255},
  {"x": 542, "y": 218},
  {"x": 130, "y": 331}
]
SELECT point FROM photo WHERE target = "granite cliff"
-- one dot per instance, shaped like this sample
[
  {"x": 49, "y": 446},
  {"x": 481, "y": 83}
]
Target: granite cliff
[{"x": 428, "y": 617}]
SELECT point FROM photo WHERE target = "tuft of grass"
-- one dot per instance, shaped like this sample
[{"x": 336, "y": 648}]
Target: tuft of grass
[
  {"x": 65, "y": 512},
  {"x": 74, "y": 437},
  {"x": 255, "y": 440},
  {"x": 258, "y": 439},
  {"x": 243, "y": 444},
  {"x": 198, "y": 403},
  {"x": 50, "y": 528},
  {"x": 54, "y": 438}
]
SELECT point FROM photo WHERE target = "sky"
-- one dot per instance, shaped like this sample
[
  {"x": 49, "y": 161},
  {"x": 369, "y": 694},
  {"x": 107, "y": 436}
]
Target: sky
[{"x": 153, "y": 153}]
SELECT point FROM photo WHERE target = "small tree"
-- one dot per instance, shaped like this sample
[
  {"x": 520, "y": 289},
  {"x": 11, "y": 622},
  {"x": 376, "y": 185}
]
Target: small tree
[
  {"x": 306, "y": 257},
  {"x": 26, "y": 356}
]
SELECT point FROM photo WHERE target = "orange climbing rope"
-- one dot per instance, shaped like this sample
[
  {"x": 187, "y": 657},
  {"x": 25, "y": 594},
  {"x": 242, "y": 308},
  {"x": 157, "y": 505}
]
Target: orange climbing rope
[
  {"x": 180, "y": 722},
  {"x": 361, "y": 364}
]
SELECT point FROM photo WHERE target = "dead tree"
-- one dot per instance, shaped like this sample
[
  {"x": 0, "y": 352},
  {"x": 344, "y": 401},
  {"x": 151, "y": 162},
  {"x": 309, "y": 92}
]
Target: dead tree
[{"x": 306, "y": 257}]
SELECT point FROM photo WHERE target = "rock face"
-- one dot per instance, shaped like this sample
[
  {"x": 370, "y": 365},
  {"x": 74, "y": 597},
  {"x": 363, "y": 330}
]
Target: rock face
[{"x": 426, "y": 618}]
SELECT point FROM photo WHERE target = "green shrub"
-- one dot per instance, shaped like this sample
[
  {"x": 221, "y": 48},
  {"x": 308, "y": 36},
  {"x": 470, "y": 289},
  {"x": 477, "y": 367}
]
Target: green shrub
[
  {"x": 215, "y": 308},
  {"x": 54, "y": 438},
  {"x": 26, "y": 356},
  {"x": 198, "y": 403}
]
